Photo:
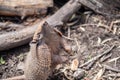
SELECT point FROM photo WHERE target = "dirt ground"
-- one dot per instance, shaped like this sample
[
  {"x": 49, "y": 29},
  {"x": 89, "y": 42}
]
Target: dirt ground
[
  {"x": 13, "y": 61},
  {"x": 90, "y": 38}
]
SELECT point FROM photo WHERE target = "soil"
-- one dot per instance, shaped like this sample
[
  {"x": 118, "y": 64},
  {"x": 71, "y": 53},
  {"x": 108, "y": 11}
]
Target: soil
[{"x": 14, "y": 61}]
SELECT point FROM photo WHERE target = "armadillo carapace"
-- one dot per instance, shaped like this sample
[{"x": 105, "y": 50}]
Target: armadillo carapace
[{"x": 38, "y": 62}]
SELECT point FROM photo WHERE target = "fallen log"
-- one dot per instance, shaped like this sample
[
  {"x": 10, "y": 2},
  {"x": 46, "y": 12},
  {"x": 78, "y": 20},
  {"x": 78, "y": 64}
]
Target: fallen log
[
  {"x": 6, "y": 25},
  {"x": 108, "y": 8},
  {"x": 24, "y": 8},
  {"x": 64, "y": 13},
  {"x": 18, "y": 38}
]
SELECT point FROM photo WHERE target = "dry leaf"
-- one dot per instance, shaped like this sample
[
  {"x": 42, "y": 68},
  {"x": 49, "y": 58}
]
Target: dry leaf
[{"x": 74, "y": 65}]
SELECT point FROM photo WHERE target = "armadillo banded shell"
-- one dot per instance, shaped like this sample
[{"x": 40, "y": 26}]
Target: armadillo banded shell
[{"x": 39, "y": 67}]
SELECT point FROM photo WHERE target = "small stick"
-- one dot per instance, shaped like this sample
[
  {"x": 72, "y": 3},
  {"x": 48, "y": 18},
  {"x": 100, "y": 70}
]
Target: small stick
[
  {"x": 113, "y": 75},
  {"x": 114, "y": 59},
  {"x": 77, "y": 44},
  {"x": 115, "y": 78},
  {"x": 98, "y": 56},
  {"x": 99, "y": 74},
  {"x": 102, "y": 25},
  {"x": 68, "y": 38},
  {"x": 114, "y": 22},
  {"x": 105, "y": 58},
  {"x": 22, "y": 77},
  {"x": 90, "y": 65},
  {"x": 110, "y": 68},
  {"x": 68, "y": 31}
]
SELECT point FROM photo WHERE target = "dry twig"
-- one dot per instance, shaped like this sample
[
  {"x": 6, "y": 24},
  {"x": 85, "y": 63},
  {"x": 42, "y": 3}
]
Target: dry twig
[
  {"x": 114, "y": 22},
  {"x": 99, "y": 25},
  {"x": 105, "y": 58},
  {"x": 110, "y": 68},
  {"x": 114, "y": 59},
  {"x": 112, "y": 75},
  {"x": 99, "y": 74},
  {"x": 98, "y": 56}
]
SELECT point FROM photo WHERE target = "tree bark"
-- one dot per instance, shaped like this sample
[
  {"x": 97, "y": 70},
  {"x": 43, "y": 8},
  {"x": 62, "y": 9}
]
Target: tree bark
[
  {"x": 18, "y": 38},
  {"x": 24, "y": 7},
  {"x": 63, "y": 14}
]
